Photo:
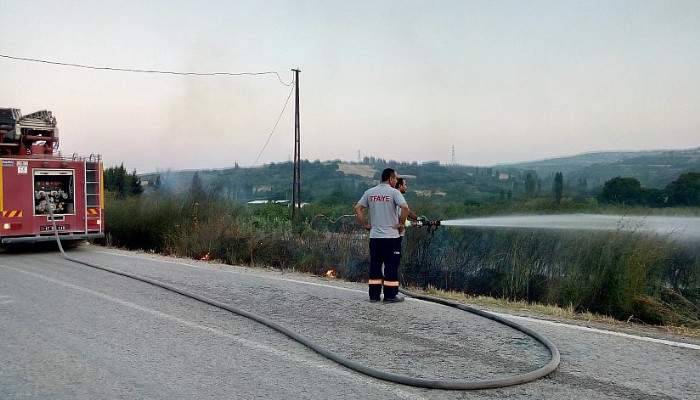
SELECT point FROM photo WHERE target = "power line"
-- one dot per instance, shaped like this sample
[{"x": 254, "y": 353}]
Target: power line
[
  {"x": 148, "y": 71},
  {"x": 272, "y": 132},
  {"x": 164, "y": 72}
]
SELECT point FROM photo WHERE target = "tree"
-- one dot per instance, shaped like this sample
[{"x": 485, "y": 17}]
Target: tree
[
  {"x": 558, "y": 187},
  {"x": 620, "y": 190},
  {"x": 685, "y": 191},
  {"x": 654, "y": 197},
  {"x": 530, "y": 184},
  {"x": 115, "y": 179},
  {"x": 135, "y": 187},
  {"x": 121, "y": 183},
  {"x": 196, "y": 189},
  {"x": 582, "y": 186}
]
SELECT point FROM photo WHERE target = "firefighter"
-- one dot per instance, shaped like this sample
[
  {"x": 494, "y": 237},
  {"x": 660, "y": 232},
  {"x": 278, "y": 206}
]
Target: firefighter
[
  {"x": 402, "y": 186},
  {"x": 385, "y": 229}
]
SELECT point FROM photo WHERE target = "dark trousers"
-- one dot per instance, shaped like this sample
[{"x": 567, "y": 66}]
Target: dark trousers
[{"x": 387, "y": 252}]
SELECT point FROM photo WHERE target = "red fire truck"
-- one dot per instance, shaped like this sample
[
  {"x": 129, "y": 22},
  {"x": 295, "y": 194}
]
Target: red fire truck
[{"x": 35, "y": 176}]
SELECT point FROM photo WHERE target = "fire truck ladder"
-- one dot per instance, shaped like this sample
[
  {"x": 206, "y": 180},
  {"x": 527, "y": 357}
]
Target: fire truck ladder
[{"x": 93, "y": 209}]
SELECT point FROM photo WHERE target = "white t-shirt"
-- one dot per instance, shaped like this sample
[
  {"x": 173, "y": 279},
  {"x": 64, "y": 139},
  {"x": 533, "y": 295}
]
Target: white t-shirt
[
  {"x": 382, "y": 201},
  {"x": 398, "y": 212}
]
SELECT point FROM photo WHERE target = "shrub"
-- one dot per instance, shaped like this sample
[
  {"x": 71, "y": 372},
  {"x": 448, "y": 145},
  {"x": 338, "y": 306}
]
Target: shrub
[{"x": 619, "y": 273}]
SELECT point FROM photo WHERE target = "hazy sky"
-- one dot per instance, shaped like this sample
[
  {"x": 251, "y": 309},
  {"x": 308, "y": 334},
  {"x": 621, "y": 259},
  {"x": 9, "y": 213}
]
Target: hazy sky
[{"x": 499, "y": 80}]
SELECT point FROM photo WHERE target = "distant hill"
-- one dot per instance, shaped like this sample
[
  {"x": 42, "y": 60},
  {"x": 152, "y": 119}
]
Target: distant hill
[
  {"x": 343, "y": 182},
  {"x": 654, "y": 168},
  {"x": 339, "y": 181},
  {"x": 570, "y": 163}
]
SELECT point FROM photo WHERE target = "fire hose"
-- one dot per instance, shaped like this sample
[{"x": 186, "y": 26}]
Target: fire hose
[
  {"x": 354, "y": 365},
  {"x": 329, "y": 219}
]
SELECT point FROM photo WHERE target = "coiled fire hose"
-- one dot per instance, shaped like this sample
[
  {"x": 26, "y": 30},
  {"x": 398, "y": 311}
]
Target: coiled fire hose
[{"x": 354, "y": 365}]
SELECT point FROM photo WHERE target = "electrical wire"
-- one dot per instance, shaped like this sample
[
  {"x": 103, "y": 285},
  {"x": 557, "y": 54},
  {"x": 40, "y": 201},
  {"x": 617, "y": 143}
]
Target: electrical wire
[
  {"x": 147, "y": 71},
  {"x": 153, "y": 71},
  {"x": 272, "y": 132}
]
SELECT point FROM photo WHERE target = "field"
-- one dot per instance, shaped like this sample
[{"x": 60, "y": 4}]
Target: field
[{"x": 630, "y": 276}]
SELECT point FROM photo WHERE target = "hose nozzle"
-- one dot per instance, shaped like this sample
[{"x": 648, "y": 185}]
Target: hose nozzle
[{"x": 423, "y": 221}]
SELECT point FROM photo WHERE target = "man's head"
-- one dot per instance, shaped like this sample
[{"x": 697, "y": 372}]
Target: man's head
[
  {"x": 401, "y": 185},
  {"x": 389, "y": 176}
]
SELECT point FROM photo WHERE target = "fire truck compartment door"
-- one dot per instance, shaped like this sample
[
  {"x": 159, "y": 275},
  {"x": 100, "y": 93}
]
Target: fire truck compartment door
[{"x": 55, "y": 187}]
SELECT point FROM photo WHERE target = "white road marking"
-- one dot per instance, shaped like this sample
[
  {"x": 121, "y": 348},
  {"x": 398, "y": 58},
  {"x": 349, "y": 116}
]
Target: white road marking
[
  {"x": 516, "y": 317},
  {"x": 3, "y": 302},
  {"x": 325, "y": 367},
  {"x": 606, "y": 332}
]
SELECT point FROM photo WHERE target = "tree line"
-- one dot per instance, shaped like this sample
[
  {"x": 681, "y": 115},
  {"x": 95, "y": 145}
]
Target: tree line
[
  {"x": 684, "y": 192},
  {"x": 118, "y": 181}
]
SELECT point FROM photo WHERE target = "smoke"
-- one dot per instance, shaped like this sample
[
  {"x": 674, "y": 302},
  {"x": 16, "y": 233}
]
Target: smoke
[{"x": 217, "y": 121}]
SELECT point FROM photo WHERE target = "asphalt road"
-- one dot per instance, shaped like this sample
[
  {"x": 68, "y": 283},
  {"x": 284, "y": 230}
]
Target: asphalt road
[{"x": 72, "y": 332}]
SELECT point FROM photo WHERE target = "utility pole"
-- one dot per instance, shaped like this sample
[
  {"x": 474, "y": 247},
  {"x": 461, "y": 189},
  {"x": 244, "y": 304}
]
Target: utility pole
[{"x": 296, "y": 180}]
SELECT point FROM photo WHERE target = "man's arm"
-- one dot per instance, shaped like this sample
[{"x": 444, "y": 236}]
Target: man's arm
[
  {"x": 401, "y": 202},
  {"x": 401, "y": 226},
  {"x": 360, "y": 216},
  {"x": 404, "y": 214}
]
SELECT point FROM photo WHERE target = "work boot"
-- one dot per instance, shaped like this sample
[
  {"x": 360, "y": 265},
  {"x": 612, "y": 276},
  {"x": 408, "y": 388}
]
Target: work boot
[{"x": 397, "y": 299}]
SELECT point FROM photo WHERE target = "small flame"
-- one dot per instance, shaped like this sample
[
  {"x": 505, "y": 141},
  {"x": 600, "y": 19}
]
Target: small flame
[
  {"x": 330, "y": 273},
  {"x": 206, "y": 257}
]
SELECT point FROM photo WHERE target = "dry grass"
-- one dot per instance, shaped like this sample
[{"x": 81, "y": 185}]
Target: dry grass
[
  {"x": 616, "y": 273},
  {"x": 553, "y": 312}
]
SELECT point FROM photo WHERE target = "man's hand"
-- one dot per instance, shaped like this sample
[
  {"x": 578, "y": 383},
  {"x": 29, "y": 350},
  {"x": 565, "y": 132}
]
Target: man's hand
[
  {"x": 368, "y": 227},
  {"x": 404, "y": 215},
  {"x": 400, "y": 227},
  {"x": 360, "y": 216}
]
